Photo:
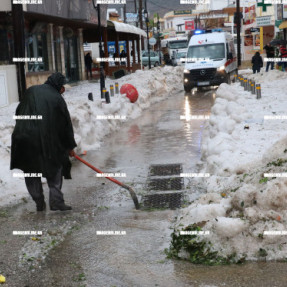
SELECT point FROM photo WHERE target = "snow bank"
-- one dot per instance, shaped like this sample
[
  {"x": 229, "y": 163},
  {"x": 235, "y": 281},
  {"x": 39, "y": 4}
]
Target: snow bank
[
  {"x": 239, "y": 146},
  {"x": 152, "y": 85}
]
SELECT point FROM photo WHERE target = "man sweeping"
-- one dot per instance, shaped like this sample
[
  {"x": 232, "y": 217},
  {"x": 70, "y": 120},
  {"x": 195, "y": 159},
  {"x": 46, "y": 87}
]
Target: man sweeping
[{"x": 43, "y": 145}]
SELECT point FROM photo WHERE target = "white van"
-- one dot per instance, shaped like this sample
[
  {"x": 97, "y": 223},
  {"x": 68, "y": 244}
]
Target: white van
[{"x": 210, "y": 60}]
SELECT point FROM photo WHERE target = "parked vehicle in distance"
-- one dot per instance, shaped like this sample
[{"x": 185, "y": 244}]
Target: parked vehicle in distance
[
  {"x": 180, "y": 56},
  {"x": 211, "y": 59},
  {"x": 175, "y": 45},
  {"x": 154, "y": 58}
]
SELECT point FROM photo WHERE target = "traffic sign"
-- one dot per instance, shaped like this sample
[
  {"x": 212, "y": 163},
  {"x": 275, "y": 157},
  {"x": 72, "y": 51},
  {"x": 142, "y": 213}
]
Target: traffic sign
[{"x": 152, "y": 41}]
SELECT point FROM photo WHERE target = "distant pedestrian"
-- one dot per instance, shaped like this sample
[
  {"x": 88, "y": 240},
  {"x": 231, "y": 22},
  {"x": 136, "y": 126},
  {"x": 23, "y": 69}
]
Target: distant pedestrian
[
  {"x": 43, "y": 146},
  {"x": 270, "y": 53},
  {"x": 88, "y": 64},
  {"x": 102, "y": 53},
  {"x": 166, "y": 59},
  {"x": 283, "y": 54},
  {"x": 123, "y": 55},
  {"x": 257, "y": 63}
]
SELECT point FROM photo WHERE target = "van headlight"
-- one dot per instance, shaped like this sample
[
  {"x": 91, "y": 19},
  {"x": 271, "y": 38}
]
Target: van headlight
[
  {"x": 186, "y": 71},
  {"x": 222, "y": 68}
]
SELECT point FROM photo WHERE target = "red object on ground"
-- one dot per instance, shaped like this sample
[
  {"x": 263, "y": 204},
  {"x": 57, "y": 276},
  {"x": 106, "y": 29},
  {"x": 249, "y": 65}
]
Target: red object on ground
[{"x": 130, "y": 91}]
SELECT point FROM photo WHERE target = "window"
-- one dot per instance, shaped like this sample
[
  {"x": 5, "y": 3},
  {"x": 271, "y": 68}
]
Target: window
[
  {"x": 212, "y": 51},
  {"x": 6, "y": 45},
  {"x": 37, "y": 48},
  {"x": 179, "y": 44}
]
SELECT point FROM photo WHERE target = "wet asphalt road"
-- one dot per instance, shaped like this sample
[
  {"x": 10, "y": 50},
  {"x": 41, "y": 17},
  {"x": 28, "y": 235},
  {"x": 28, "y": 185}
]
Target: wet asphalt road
[{"x": 81, "y": 257}]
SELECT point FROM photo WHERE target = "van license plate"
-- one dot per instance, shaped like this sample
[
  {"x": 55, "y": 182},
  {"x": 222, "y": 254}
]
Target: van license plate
[{"x": 203, "y": 83}]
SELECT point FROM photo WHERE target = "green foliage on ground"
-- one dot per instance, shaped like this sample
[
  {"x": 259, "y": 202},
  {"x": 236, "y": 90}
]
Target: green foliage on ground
[
  {"x": 200, "y": 252},
  {"x": 278, "y": 162}
]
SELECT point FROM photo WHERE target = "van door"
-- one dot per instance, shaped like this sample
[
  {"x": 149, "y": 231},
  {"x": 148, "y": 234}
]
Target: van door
[{"x": 231, "y": 63}]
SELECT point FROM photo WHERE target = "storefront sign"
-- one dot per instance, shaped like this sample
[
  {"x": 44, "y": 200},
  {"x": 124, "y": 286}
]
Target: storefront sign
[
  {"x": 250, "y": 15},
  {"x": 279, "y": 11},
  {"x": 182, "y": 12},
  {"x": 131, "y": 17},
  {"x": 284, "y": 11},
  {"x": 263, "y": 21},
  {"x": 189, "y": 25},
  {"x": 260, "y": 3},
  {"x": 213, "y": 16}
]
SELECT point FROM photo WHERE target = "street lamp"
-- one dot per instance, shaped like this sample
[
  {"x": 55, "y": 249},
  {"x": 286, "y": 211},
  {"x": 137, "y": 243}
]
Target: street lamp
[
  {"x": 238, "y": 28},
  {"x": 158, "y": 37},
  {"x": 147, "y": 24},
  {"x": 102, "y": 76}
]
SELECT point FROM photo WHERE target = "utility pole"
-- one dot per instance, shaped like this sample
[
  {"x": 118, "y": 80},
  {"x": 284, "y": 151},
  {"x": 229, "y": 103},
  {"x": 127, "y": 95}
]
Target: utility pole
[
  {"x": 158, "y": 37},
  {"x": 141, "y": 20},
  {"x": 137, "y": 23},
  {"x": 147, "y": 31},
  {"x": 102, "y": 65},
  {"x": 19, "y": 46},
  {"x": 238, "y": 28},
  {"x": 125, "y": 13}
]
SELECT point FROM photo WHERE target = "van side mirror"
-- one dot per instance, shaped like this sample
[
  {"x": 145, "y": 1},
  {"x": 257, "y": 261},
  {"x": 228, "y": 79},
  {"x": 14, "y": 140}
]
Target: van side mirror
[{"x": 229, "y": 56}]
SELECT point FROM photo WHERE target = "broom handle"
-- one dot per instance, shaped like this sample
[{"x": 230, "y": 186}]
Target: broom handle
[{"x": 97, "y": 170}]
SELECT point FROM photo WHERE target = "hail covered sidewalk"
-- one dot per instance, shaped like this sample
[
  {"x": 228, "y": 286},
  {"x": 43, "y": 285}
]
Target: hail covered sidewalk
[{"x": 243, "y": 145}]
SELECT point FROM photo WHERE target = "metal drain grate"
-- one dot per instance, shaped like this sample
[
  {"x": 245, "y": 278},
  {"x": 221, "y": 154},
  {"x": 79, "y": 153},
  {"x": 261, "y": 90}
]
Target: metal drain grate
[
  {"x": 163, "y": 200},
  {"x": 165, "y": 169},
  {"x": 171, "y": 183}
]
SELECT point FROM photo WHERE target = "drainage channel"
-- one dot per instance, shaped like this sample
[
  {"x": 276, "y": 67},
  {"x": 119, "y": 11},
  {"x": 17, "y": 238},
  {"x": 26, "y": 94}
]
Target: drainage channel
[{"x": 165, "y": 187}]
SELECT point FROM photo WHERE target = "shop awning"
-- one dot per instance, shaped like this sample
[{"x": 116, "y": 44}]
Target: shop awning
[
  {"x": 283, "y": 25},
  {"x": 126, "y": 28}
]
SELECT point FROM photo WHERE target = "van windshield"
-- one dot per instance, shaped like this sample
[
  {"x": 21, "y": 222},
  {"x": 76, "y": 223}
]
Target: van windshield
[
  {"x": 177, "y": 44},
  {"x": 211, "y": 51}
]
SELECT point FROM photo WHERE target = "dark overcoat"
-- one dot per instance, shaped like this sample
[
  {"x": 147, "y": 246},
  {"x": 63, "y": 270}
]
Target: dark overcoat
[{"x": 42, "y": 146}]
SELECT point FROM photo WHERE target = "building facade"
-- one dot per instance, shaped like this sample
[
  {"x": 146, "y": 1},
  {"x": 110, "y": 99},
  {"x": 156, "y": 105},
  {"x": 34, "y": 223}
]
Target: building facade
[{"x": 53, "y": 38}]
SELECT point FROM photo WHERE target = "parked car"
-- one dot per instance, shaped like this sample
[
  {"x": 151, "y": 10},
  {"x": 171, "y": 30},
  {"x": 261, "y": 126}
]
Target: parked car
[{"x": 154, "y": 58}]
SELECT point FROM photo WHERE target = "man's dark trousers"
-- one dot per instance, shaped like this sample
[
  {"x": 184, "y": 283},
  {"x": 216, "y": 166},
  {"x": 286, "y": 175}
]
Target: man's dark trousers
[
  {"x": 34, "y": 186},
  {"x": 268, "y": 64}
]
